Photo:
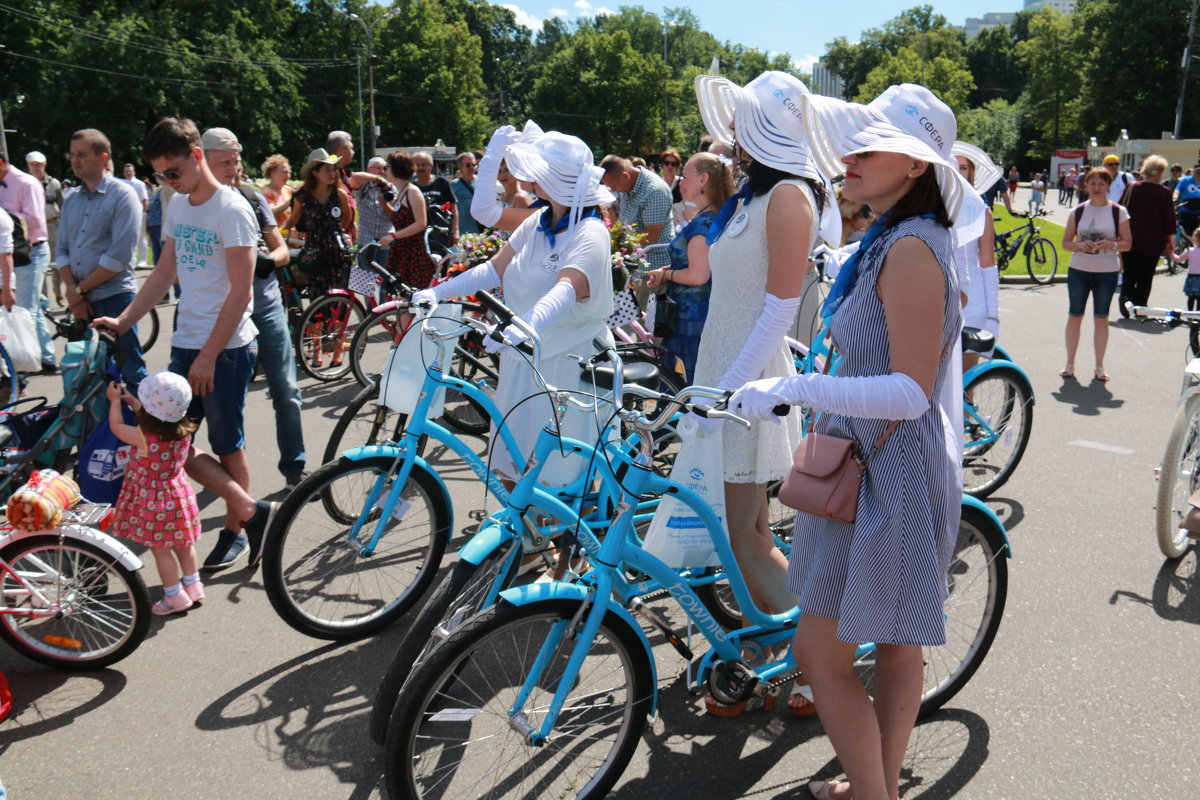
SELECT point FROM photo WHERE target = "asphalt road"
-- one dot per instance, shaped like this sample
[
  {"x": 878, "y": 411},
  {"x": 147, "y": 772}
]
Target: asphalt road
[{"x": 1089, "y": 690}]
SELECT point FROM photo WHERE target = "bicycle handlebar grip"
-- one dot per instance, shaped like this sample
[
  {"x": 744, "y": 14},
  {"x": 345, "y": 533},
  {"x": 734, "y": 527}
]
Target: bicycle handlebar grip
[
  {"x": 489, "y": 301},
  {"x": 781, "y": 410}
]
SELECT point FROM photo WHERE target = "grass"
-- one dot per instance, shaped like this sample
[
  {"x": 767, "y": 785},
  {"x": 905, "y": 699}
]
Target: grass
[{"x": 1049, "y": 230}]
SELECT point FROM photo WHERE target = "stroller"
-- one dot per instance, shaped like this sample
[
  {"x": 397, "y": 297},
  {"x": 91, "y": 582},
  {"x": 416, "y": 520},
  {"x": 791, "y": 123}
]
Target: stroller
[{"x": 47, "y": 436}]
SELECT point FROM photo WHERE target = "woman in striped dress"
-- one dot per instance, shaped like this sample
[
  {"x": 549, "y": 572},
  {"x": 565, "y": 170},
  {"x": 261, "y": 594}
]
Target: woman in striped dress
[{"x": 896, "y": 319}]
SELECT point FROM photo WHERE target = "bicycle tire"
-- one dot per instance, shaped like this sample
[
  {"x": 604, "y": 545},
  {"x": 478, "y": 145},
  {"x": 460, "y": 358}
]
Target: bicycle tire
[
  {"x": 611, "y": 693},
  {"x": 148, "y": 329},
  {"x": 365, "y": 422},
  {"x": 1178, "y": 478},
  {"x": 1040, "y": 253},
  {"x": 462, "y": 592},
  {"x": 327, "y": 328},
  {"x": 10, "y": 382},
  {"x": 321, "y": 584},
  {"x": 977, "y": 593},
  {"x": 461, "y": 412},
  {"x": 371, "y": 343},
  {"x": 719, "y": 600},
  {"x": 1002, "y": 399},
  {"x": 106, "y": 604}
]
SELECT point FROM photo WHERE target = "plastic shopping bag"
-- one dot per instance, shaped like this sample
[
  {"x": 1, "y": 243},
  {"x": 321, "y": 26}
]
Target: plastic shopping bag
[
  {"x": 677, "y": 535},
  {"x": 20, "y": 339},
  {"x": 102, "y": 461},
  {"x": 404, "y": 372}
]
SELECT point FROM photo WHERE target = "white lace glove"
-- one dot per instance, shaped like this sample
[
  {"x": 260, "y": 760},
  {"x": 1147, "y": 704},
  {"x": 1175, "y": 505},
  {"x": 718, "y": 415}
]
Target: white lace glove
[
  {"x": 483, "y": 276},
  {"x": 892, "y": 396},
  {"x": 485, "y": 207},
  {"x": 776, "y": 319},
  {"x": 545, "y": 312},
  {"x": 513, "y": 336},
  {"x": 835, "y": 258}
]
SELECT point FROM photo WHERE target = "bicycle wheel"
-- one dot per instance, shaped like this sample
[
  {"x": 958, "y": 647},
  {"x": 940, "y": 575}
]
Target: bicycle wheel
[
  {"x": 1041, "y": 260},
  {"x": 318, "y": 578},
  {"x": 148, "y": 330},
  {"x": 10, "y": 384},
  {"x": 463, "y": 592},
  {"x": 364, "y": 422},
  {"x": 371, "y": 343},
  {"x": 323, "y": 339},
  {"x": 977, "y": 590},
  {"x": 461, "y": 412},
  {"x": 1178, "y": 477},
  {"x": 457, "y": 729},
  {"x": 103, "y": 606},
  {"x": 997, "y": 420}
]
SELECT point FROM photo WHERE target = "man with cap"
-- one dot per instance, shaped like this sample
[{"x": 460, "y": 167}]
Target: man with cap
[
  {"x": 22, "y": 194},
  {"x": 36, "y": 162},
  {"x": 644, "y": 200},
  {"x": 222, "y": 152},
  {"x": 211, "y": 249},
  {"x": 97, "y": 241},
  {"x": 373, "y": 222},
  {"x": 1121, "y": 180}
]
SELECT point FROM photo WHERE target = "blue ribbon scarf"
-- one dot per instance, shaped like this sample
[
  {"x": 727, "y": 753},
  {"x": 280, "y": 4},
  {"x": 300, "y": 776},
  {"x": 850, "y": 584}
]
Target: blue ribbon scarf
[
  {"x": 545, "y": 226},
  {"x": 848, "y": 275}
]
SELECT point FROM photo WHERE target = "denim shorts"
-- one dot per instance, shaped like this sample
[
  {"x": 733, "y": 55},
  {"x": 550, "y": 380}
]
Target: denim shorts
[
  {"x": 224, "y": 407},
  {"x": 1100, "y": 285}
]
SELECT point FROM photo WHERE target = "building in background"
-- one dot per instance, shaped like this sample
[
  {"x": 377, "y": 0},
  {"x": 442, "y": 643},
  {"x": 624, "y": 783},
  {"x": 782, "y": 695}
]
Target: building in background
[
  {"x": 1065, "y": 6},
  {"x": 993, "y": 19},
  {"x": 825, "y": 81}
]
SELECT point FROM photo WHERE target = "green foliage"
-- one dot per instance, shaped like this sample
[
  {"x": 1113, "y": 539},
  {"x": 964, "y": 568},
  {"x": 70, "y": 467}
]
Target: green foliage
[
  {"x": 995, "y": 128},
  {"x": 1052, "y": 98},
  {"x": 947, "y": 78},
  {"x": 992, "y": 59}
]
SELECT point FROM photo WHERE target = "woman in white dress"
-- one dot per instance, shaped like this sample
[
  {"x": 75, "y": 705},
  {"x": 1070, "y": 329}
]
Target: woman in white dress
[
  {"x": 980, "y": 278},
  {"x": 555, "y": 273}
]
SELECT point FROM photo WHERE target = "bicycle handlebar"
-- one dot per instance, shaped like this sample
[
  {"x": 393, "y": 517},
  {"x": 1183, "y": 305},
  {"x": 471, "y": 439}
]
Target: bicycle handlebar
[{"x": 1171, "y": 316}]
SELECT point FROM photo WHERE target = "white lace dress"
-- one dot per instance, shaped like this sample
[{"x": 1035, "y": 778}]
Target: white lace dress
[{"x": 739, "y": 264}]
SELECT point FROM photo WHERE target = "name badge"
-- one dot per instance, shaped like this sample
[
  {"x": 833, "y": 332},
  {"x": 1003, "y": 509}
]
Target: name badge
[
  {"x": 336, "y": 212},
  {"x": 552, "y": 263},
  {"x": 738, "y": 223}
]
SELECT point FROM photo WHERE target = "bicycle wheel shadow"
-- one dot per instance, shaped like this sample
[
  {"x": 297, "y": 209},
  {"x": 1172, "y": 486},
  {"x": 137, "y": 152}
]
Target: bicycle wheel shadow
[
  {"x": 311, "y": 711},
  {"x": 46, "y": 699},
  {"x": 700, "y": 752},
  {"x": 1088, "y": 399},
  {"x": 1175, "y": 596},
  {"x": 1011, "y": 512}
]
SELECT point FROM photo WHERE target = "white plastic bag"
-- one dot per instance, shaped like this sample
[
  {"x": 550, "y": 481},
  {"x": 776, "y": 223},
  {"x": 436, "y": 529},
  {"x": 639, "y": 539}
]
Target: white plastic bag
[
  {"x": 677, "y": 535},
  {"x": 404, "y": 372},
  {"x": 20, "y": 339}
]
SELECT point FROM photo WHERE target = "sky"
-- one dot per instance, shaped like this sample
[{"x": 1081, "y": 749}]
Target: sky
[{"x": 801, "y": 28}]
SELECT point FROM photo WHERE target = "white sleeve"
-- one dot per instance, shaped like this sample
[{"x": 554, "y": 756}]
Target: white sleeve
[
  {"x": 484, "y": 205},
  {"x": 6, "y": 232},
  {"x": 776, "y": 319},
  {"x": 892, "y": 396},
  {"x": 480, "y": 277},
  {"x": 590, "y": 253},
  {"x": 834, "y": 259}
]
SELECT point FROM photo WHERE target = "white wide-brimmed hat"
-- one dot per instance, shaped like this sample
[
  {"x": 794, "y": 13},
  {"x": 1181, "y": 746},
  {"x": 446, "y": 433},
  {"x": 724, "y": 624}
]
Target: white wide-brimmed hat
[
  {"x": 907, "y": 119},
  {"x": 563, "y": 166},
  {"x": 767, "y": 119},
  {"x": 318, "y": 156},
  {"x": 165, "y": 395},
  {"x": 530, "y": 133},
  {"x": 987, "y": 172}
]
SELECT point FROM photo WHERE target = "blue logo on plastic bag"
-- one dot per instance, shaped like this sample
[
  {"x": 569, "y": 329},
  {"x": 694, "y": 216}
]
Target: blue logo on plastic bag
[{"x": 696, "y": 474}]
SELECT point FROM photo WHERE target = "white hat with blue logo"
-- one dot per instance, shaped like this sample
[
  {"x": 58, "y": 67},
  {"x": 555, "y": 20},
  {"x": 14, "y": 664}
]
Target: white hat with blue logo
[
  {"x": 987, "y": 172},
  {"x": 907, "y": 119}
]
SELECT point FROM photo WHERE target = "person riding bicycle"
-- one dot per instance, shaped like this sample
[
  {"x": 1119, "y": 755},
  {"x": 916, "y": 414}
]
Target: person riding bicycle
[
  {"x": 556, "y": 274},
  {"x": 1187, "y": 201}
]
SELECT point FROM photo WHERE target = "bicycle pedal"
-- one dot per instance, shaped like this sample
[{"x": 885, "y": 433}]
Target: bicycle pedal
[{"x": 477, "y": 514}]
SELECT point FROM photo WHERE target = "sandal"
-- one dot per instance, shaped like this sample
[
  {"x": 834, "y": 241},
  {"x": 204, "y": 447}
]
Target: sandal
[
  {"x": 1069, "y": 372},
  {"x": 823, "y": 790},
  {"x": 719, "y": 709},
  {"x": 1101, "y": 375},
  {"x": 804, "y": 706}
]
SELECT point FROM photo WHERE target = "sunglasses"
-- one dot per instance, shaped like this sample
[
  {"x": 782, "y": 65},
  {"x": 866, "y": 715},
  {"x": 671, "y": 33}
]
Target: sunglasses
[
  {"x": 670, "y": 163},
  {"x": 168, "y": 174}
]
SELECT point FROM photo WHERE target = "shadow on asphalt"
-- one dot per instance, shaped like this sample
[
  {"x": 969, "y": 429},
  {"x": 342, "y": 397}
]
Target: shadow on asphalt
[
  {"x": 1139, "y": 326},
  {"x": 1088, "y": 399},
  {"x": 1175, "y": 596},
  {"x": 46, "y": 699},
  {"x": 1010, "y": 511}
]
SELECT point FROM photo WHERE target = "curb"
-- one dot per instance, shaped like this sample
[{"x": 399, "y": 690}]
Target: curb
[{"x": 1060, "y": 278}]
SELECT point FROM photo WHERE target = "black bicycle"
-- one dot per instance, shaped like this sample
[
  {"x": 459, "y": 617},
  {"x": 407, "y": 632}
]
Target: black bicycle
[{"x": 1041, "y": 256}]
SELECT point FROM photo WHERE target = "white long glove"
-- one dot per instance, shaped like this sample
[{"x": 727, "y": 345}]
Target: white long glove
[
  {"x": 545, "y": 312},
  {"x": 483, "y": 276},
  {"x": 892, "y": 396},
  {"x": 776, "y": 319},
  {"x": 991, "y": 294},
  {"x": 835, "y": 258},
  {"x": 485, "y": 206}
]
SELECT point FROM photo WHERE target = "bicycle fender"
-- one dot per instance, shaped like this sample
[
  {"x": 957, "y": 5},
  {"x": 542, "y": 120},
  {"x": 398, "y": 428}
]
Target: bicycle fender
[
  {"x": 539, "y": 592},
  {"x": 392, "y": 451},
  {"x": 996, "y": 363},
  {"x": 111, "y": 547},
  {"x": 974, "y": 502},
  {"x": 490, "y": 536}
]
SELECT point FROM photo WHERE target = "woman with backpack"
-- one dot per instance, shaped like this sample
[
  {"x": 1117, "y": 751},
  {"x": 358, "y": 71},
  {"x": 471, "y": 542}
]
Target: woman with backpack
[{"x": 1096, "y": 233}]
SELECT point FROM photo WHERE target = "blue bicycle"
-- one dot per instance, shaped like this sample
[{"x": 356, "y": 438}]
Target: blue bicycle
[{"x": 546, "y": 692}]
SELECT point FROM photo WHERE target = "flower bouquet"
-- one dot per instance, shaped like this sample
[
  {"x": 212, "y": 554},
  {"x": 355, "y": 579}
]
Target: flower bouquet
[{"x": 627, "y": 254}]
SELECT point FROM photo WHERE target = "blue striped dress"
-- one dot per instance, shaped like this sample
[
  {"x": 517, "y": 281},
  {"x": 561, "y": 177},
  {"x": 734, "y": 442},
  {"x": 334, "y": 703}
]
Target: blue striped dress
[{"x": 884, "y": 577}]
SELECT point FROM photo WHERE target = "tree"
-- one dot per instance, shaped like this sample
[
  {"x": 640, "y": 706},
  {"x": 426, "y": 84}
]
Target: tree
[
  {"x": 1052, "y": 97},
  {"x": 995, "y": 128},
  {"x": 992, "y": 59},
  {"x": 946, "y": 78}
]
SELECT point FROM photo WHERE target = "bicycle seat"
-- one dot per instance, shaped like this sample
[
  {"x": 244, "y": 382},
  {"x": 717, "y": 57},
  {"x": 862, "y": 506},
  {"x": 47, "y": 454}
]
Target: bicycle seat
[
  {"x": 975, "y": 340},
  {"x": 640, "y": 372}
]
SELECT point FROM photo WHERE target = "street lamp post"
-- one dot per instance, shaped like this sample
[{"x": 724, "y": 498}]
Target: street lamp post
[
  {"x": 667, "y": 78},
  {"x": 370, "y": 70}
]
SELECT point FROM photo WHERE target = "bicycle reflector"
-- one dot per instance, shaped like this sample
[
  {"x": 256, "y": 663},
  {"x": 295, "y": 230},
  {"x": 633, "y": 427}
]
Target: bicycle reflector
[
  {"x": 107, "y": 519},
  {"x": 62, "y": 641}
]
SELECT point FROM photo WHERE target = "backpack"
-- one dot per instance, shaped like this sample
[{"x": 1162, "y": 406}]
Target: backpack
[
  {"x": 1116, "y": 215},
  {"x": 22, "y": 255}
]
